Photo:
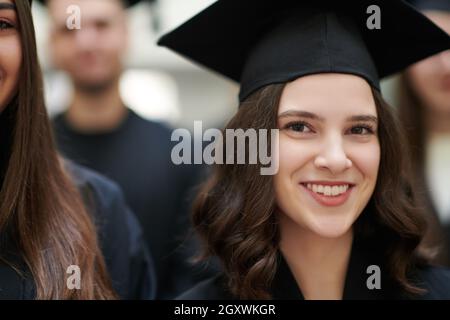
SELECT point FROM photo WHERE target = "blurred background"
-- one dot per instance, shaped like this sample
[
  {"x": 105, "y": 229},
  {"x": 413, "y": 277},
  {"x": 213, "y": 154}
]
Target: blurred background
[{"x": 158, "y": 84}]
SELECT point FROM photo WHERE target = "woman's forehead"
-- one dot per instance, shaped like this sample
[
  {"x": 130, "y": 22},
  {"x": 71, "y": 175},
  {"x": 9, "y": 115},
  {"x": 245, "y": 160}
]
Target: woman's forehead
[{"x": 328, "y": 93}]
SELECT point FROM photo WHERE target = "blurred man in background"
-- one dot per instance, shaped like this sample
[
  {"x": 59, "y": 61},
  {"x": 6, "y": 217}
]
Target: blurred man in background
[{"x": 99, "y": 131}]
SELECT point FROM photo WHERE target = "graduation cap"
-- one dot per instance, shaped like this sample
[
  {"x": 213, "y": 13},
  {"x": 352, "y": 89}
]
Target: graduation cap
[
  {"x": 261, "y": 42},
  {"x": 441, "y": 5},
  {"x": 127, "y": 3}
]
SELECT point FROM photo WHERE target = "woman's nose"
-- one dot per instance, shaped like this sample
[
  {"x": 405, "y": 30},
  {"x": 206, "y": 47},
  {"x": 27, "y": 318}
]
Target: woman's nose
[{"x": 332, "y": 156}]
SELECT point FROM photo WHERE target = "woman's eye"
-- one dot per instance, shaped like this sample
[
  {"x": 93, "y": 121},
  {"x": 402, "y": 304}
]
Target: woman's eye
[
  {"x": 4, "y": 25},
  {"x": 299, "y": 127},
  {"x": 361, "y": 130}
]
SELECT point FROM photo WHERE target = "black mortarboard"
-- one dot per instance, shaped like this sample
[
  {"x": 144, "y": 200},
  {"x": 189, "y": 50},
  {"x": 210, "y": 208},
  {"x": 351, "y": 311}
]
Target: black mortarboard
[
  {"x": 128, "y": 3},
  {"x": 441, "y": 5},
  {"x": 261, "y": 42}
]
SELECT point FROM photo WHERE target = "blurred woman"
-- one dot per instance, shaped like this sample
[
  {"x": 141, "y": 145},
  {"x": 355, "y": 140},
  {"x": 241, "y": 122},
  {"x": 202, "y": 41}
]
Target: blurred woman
[
  {"x": 425, "y": 111},
  {"x": 55, "y": 218}
]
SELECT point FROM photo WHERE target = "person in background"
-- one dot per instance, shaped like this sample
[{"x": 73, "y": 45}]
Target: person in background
[
  {"x": 424, "y": 108},
  {"x": 100, "y": 132},
  {"x": 57, "y": 219}
]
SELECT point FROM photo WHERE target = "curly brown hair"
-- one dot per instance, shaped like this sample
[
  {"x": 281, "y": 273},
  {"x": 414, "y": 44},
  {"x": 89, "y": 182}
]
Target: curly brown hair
[{"x": 235, "y": 210}]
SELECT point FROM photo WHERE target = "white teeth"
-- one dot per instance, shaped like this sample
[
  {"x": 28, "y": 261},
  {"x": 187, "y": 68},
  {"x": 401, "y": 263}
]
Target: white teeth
[
  {"x": 334, "y": 190},
  {"x": 328, "y": 190}
]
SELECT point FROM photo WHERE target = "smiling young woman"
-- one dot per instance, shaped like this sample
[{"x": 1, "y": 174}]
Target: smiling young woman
[
  {"x": 342, "y": 202},
  {"x": 53, "y": 214},
  {"x": 265, "y": 216}
]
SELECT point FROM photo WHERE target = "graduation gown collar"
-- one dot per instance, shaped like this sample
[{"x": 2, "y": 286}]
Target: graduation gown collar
[{"x": 285, "y": 287}]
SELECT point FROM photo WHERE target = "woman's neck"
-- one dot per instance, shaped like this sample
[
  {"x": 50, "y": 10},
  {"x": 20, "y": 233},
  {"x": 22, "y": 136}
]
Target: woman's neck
[{"x": 318, "y": 264}]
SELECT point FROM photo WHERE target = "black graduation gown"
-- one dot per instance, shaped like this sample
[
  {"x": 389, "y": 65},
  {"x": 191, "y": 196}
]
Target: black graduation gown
[
  {"x": 127, "y": 259},
  {"x": 284, "y": 287}
]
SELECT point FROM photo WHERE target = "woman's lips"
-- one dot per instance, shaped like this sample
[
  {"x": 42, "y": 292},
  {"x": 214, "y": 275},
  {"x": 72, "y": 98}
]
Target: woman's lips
[{"x": 329, "y": 201}]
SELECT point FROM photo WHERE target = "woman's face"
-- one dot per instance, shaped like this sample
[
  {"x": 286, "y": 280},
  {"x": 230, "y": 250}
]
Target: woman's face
[
  {"x": 329, "y": 153},
  {"x": 10, "y": 52},
  {"x": 430, "y": 78}
]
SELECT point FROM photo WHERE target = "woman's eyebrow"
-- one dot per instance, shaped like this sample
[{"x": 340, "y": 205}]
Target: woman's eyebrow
[
  {"x": 363, "y": 117},
  {"x": 313, "y": 116},
  {"x": 7, "y": 6},
  {"x": 300, "y": 113}
]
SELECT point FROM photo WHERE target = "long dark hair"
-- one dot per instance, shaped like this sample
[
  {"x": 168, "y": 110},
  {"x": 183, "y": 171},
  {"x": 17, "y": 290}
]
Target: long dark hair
[
  {"x": 40, "y": 207},
  {"x": 234, "y": 212}
]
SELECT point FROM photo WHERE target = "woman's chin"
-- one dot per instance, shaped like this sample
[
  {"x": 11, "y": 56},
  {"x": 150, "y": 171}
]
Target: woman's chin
[{"x": 332, "y": 228}]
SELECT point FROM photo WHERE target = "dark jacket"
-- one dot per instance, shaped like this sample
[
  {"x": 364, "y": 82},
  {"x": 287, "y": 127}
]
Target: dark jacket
[{"x": 127, "y": 259}]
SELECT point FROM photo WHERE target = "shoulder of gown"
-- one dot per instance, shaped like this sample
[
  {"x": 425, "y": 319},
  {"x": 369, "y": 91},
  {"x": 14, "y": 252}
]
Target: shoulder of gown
[{"x": 126, "y": 255}]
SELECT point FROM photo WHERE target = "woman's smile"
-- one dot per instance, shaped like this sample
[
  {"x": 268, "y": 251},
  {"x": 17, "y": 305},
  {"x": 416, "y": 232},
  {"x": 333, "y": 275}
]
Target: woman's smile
[{"x": 328, "y": 193}]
